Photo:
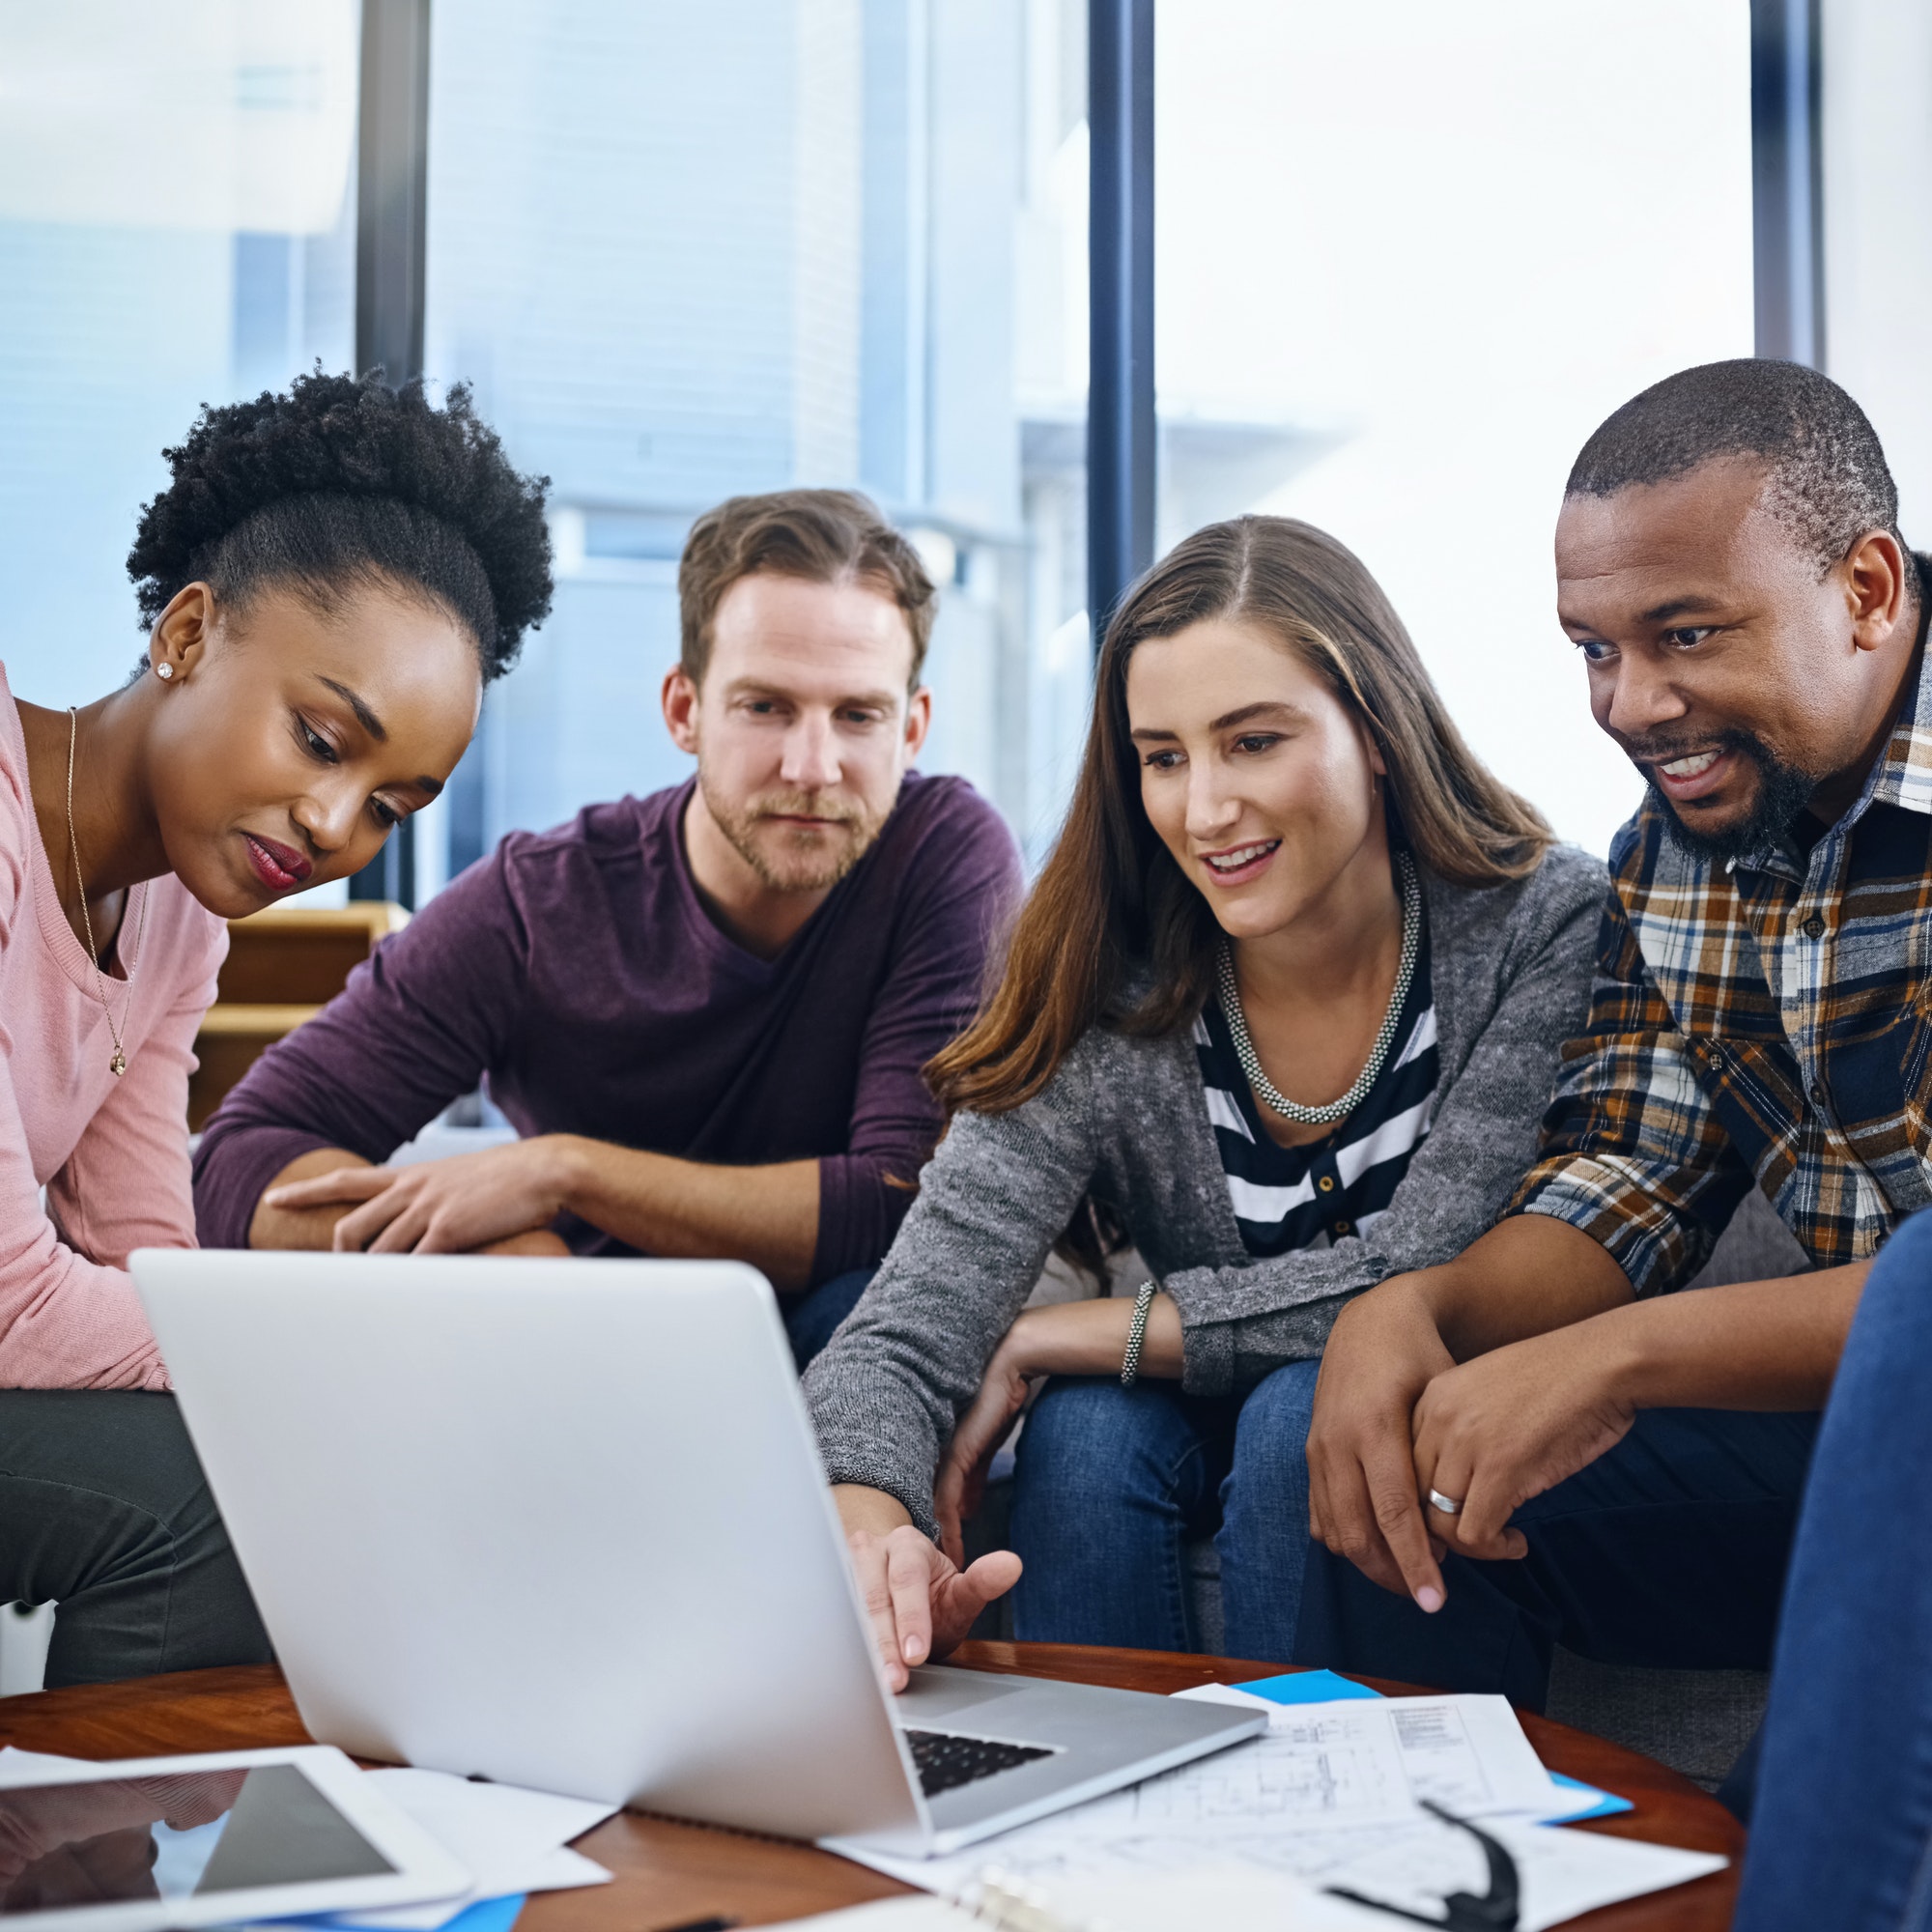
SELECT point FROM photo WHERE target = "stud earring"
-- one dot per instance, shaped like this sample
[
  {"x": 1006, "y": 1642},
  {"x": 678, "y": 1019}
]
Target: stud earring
[{"x": 164, "y": 669}]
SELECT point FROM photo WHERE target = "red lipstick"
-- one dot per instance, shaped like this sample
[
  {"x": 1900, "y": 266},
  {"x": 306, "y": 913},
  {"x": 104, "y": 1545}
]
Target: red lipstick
[{"x": 279, "y": 867}]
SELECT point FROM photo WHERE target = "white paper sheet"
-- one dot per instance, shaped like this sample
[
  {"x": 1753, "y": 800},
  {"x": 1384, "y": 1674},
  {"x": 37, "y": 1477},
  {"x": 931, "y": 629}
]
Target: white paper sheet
[
  {"x": 1563, "y": 1874},
  {"x": 1470, "y": 1755},
  {"x": 1551, "y": 1803},
  {"x": 1326, "y": 1796},
  {"x": 1466, "y": 1753},
  {"x": 1230, "y": 1898},
  {"x": 887, "y": 1915},
  {"x": 511, "y": 1839}
]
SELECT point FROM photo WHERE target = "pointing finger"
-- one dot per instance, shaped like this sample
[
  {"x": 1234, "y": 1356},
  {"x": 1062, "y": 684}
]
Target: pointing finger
[
  {"x": 909, "y": 1566},
  {"x": 1399, "y": 1516},
  {"x": 1352, "y": 1532},
  {"x": 868, "y": 1569}
]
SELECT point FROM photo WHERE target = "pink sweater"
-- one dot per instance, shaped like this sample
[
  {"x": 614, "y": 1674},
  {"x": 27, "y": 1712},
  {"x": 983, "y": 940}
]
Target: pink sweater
[{"x": 112, "y": 1154}]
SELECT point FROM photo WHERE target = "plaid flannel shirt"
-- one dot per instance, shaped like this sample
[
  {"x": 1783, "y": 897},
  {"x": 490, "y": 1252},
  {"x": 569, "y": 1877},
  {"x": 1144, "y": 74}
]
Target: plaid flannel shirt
[{"x": 1768, "y": 1021}]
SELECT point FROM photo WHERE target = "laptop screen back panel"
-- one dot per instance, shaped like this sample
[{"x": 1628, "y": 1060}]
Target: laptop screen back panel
[{"x": 560, "y": 1523}]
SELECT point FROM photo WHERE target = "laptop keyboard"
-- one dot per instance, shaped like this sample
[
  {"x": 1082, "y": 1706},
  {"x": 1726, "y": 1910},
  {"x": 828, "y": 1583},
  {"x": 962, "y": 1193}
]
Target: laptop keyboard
[{"x": 944, "y": 1760}]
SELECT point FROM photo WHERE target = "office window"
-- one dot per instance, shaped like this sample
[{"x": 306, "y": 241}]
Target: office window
[
  {"x": 1878, "y": 242},
  {"x": 176, "y": 227},
  {"x": 684, "y": 252},
  {"x": 1407, "y": 257}
]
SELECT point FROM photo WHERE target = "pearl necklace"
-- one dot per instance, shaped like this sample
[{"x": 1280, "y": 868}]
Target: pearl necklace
[{"x": 1264, "y": 1088}]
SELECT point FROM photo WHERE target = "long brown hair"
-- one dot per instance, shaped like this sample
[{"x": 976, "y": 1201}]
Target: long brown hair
[{"x": 1111, "y": 908}]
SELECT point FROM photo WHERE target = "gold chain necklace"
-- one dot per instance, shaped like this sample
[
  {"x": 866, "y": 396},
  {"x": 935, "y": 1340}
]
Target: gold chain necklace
[{"x": 117, "y": 1065}]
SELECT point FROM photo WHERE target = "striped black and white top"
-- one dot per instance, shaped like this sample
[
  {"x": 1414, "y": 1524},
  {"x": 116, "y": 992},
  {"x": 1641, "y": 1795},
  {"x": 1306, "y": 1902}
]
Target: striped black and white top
[{"x": 1310, "y": 1197}]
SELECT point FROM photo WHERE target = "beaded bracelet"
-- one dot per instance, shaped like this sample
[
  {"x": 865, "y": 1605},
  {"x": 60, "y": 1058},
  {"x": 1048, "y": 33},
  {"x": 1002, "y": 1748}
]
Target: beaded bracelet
[{"x": 1130, "y": 1365}]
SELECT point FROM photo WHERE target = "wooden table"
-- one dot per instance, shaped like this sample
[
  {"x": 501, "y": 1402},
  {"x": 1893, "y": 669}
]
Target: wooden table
[{"x": 668, "y": 1874}]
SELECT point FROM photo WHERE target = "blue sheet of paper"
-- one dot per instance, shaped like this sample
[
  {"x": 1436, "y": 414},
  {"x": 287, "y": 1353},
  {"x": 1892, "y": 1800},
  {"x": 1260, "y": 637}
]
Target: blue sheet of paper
[
  {"x": 1306, "y": 1686},
  {"x": 1608, "y": 1808},
  {"x": 487, "y": 1914}
]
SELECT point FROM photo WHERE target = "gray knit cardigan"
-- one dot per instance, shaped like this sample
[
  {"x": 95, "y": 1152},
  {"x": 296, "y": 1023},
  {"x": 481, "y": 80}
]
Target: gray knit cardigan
[{"x": 1126, "y": 1119}]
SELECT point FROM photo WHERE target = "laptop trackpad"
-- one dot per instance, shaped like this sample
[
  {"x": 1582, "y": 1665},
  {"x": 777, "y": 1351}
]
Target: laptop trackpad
[{"x": 936, "y": 1693}]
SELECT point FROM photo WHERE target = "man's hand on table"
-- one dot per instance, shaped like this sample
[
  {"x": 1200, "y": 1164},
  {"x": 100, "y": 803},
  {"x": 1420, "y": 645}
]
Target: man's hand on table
[
  {"x": 918, "y": 1603},
  {"x": 491, "y": 1201}
]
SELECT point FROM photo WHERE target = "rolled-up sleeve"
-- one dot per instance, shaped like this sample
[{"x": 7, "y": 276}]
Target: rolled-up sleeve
[{"x": 1633, "y": 1153}]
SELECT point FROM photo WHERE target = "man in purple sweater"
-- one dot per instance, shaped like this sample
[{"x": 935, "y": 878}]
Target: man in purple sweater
[{"x": 705, "y": 1011}]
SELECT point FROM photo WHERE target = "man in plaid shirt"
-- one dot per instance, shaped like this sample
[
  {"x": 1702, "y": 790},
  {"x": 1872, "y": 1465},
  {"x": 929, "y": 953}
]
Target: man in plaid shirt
[{"x": 1623, "y": 1463}]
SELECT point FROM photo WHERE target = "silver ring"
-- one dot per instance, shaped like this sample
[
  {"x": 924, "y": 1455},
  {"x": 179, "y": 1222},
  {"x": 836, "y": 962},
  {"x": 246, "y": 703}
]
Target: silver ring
[{"x": 1448, "y": 1505}]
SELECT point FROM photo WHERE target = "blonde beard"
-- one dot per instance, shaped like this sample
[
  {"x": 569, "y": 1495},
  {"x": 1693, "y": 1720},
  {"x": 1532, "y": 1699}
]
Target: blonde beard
[{"x": 816, "y": 867}]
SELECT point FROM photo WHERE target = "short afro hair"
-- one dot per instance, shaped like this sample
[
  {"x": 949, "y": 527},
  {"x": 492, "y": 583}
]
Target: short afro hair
[
  {"x": 1829, "y": 482},
  {"x": 342, "y": 483}
]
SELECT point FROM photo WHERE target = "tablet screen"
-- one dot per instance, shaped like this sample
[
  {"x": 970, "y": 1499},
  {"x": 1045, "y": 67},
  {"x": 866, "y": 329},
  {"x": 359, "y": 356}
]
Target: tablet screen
[{"x": 172, "y": 1837}]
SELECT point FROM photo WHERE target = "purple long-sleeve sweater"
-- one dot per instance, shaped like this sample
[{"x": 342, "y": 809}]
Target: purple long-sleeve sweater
[{"x": 577, "y": 969}]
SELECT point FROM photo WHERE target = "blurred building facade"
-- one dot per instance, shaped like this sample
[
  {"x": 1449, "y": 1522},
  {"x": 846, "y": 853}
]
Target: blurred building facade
[
  {"x": 175, "y": 228},
  {"x": 684, "y": 253}
]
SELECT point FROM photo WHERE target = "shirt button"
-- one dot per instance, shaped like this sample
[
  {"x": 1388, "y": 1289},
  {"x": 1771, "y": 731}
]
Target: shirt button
[
  {"x": 1713, "y": 1057},
  {"x": 1813, "y": 927},
  {"x": 1326, "y": 1184},
  {"x": 1342, "y": 1228},
  {"x": 1817, "y": 1093}
]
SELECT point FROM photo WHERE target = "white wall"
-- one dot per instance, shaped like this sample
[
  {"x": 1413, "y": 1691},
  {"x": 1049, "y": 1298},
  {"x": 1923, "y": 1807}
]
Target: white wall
[
  {"x": 1878, "y": 230},
  {"x": 1449, "y": 240}
]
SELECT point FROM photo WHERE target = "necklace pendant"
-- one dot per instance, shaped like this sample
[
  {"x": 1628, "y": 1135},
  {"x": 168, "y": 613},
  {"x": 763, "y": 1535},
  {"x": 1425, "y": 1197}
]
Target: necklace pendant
[{"x": 117, "y": 1065}]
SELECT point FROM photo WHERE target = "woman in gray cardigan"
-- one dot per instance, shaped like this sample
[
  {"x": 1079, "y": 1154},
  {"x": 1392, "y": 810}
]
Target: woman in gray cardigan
[{"x": 1281, "y": 864}]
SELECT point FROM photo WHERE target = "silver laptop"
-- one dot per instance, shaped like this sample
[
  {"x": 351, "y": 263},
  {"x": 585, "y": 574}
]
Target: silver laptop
[{"x": 563, "y": 1525}]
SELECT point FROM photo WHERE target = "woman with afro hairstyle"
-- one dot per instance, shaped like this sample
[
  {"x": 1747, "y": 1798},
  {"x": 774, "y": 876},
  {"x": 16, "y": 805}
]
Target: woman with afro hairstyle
[{"x": 329, "y": 582}]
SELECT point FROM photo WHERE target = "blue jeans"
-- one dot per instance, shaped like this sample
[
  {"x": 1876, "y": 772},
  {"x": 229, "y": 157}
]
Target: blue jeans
[
  {"x": 1111, "y": 1484},
  {"x": 810, "y": 1317},
  {"x": 1668, "y": 1550},
  {"x": 1841, "y": 1827}
]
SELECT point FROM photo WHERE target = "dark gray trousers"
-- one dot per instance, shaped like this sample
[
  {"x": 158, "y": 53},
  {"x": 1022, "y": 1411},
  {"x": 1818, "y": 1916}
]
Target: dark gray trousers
[{"x": 103, "y": 1510}]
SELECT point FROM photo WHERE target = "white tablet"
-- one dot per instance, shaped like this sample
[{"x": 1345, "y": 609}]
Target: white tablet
[{"x": 140, "y": 1844}]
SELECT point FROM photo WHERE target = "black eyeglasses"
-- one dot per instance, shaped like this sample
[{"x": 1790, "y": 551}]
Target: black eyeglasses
[{"x": 1462, "y": 1910}]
